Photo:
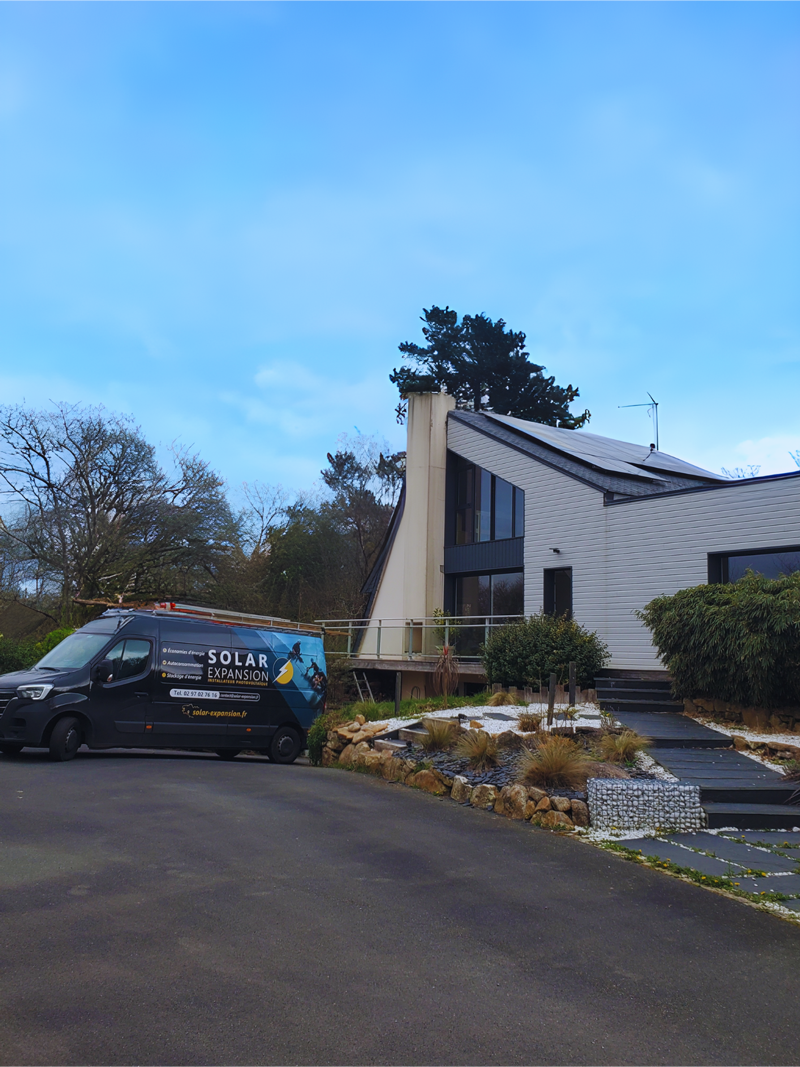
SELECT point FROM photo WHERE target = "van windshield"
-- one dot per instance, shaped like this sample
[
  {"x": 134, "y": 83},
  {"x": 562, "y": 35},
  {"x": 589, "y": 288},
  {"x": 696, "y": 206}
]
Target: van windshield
[{"x": 73, "y": 652}]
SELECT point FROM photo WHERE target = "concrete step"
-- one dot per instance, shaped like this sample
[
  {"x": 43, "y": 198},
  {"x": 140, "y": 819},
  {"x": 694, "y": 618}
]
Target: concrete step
[
  {"x": 752, "y": 816},
  {"x": 407, "y": 733}
]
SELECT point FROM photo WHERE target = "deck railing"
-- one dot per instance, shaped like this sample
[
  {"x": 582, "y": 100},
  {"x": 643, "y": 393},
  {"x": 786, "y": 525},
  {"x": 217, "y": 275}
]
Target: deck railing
[{"x": 411, "y": 639}]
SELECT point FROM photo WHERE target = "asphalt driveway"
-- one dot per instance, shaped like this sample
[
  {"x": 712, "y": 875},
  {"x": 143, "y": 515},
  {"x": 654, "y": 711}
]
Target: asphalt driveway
[{"x": 175, "y": 909}]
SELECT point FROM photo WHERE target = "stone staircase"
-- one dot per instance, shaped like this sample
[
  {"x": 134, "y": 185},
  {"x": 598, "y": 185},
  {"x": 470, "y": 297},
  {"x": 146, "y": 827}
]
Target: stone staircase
[{"x": 734, "y": 790}]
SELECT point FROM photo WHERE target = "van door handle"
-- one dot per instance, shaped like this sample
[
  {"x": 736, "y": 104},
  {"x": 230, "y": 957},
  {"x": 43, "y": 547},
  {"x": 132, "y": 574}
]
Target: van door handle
[{"x": 145, "y": 695}]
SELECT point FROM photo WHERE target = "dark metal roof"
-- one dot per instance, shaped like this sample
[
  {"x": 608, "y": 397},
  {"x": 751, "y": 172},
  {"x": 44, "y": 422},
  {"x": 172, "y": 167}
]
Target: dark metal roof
[{"x": 607, "y": 465}]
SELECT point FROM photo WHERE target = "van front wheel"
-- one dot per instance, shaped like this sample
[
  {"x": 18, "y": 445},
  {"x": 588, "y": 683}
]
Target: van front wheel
[
  {"x": 286, "y": 745},
  {"x": 65, "y": 739}
]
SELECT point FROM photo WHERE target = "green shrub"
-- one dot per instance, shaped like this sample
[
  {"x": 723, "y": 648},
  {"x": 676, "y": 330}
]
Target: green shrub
[
  {"x": 738, "y": 641},
  {"x": 19, "y": 655},
  {"x": 318, "y": 734},
  {"x": 528, "y": 652}
]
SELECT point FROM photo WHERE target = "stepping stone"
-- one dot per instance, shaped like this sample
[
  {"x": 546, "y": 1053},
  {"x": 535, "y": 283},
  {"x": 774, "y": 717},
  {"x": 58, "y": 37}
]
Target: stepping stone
[
  {"x": 736, "y": 852},
  {"x": 768, "y": 837},
  {"x": 683, "y": 857},
  {"x": 792, "y": 905},
  {"x": 789, "y": 884}
]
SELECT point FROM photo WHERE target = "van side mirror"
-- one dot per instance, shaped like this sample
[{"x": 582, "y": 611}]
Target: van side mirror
[{"x": 104, "y": 671}]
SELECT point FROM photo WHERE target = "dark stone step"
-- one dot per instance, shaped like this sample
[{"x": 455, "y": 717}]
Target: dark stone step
[
  {"x": 735, "y": 792},
  {"x": 752, "y": 816},
  {"x": 644, "y": 707},
  {"x": 631, "y": 692},
  {"x": 632, "y": 680},
  {"x": 670, "y": 729}
]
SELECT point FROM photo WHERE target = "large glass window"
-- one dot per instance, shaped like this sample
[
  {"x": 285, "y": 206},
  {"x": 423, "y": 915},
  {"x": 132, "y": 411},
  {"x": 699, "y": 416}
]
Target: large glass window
[
  {"x": 772, "y": 563},
  {"x": 490, "y": 594},
  {"x": 488, "y": 508}
]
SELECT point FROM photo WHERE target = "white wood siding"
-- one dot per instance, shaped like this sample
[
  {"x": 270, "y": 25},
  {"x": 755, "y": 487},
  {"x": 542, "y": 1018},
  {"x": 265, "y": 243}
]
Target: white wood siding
[{"x": 623, "y": 555}]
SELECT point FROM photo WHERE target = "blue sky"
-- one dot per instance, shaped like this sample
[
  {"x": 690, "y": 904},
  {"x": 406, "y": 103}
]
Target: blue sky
[{"x": 225, "y": 218}]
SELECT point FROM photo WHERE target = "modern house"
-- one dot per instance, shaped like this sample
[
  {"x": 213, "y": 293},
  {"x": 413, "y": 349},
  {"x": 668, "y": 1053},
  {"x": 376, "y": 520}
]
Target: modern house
[{"x": 501, "y": 518}]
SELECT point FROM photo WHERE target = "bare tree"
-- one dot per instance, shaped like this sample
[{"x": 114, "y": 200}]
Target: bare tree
[{"x": 97, "y": 516}]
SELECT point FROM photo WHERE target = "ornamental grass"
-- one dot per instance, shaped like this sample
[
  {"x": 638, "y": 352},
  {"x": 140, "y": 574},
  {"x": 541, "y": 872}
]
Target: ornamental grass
[
  {"x": 499, "y": 700},
  {"x": 479, "y": 747},
  {"x": 439, "y": 735},
  {"x": 555, "y": 762},
  {"x": 623, "y": 747},
  {"x": 529, "y": 721}
]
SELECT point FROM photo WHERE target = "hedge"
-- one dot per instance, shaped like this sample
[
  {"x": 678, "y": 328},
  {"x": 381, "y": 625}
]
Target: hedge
[
  {"x": 738, "y": 642},
  {"x": 528, "y": 652}
]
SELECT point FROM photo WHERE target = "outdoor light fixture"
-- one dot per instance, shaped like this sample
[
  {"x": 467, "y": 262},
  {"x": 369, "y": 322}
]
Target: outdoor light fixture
[{"x": 556, "y": 550}]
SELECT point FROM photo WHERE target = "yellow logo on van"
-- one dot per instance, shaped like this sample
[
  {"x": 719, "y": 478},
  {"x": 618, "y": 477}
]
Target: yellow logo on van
[{"x": 285, "y": 674}]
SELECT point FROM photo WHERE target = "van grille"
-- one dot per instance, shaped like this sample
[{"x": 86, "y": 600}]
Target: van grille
[{"x": 5, "y": 696}]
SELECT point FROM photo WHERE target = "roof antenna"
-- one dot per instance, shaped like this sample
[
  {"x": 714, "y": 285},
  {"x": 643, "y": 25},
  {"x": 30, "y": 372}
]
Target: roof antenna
[{"x": 652, "y": 412}]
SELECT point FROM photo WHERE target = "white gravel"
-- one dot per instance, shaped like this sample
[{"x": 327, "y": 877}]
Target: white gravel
[
  {"x": 752, "y": 735},
  {"x": 479, "y": 714}
]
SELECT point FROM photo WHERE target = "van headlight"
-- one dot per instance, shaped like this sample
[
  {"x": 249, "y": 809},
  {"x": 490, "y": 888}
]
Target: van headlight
[{"x": 33, "y": 692}]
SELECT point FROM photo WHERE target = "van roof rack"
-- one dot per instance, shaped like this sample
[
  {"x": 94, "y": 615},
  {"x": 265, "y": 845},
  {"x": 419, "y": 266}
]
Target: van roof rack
[{"x": 234, "y": 618}]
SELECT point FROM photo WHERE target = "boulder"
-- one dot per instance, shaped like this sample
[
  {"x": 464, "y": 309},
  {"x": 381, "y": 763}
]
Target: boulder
[
  {"x": 394, "y": 770},
  {"x": 739, "y": 743},
  {"x": 579, "y": 813},
  {"x": 607, "y": 770},
  {"x": 329, "y": 757},
  {"x": 427, "y": 781},
  {"x": 362, "y": 735},
  {"x": 483, "y": 796},
  {"x": 530, "y": 809},
  {"x": 554, "y": 820},
  {"x": 374, "y": 761},
  {"x": 535, "y": 794},
  {"x": 360, "y": 720},
  {"x": 544, "y": 804},
  {"x": 560, "y": 804},
  {"x": 509, "y": 740},
  {"x": 514, "y": 798},
  {"x": 461, "y": 790},
  {"x": 500, "y": 804},
  {"x": 347, "y": 755}
]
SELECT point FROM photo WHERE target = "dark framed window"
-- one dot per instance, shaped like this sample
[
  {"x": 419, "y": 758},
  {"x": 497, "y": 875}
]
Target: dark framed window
[
  {"x": 129, "y": 659},
  {"x": 558, "y": 591},
  {"x": 487, "y": 508},
  {"x": 771, "y": 562},
  {"x": 490, "y": 594}
]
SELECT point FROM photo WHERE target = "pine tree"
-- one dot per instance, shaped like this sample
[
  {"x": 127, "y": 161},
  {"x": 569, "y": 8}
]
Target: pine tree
[{"x": 486, "y": 368}]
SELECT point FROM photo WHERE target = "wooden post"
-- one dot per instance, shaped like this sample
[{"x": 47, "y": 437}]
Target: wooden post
[
  {"x": 497, "y": 687},
  {"x": 572, "y": 673},
  {"x": 398, "y": 690},
  {"x": 527, "y": 695},
  {"x": 551, "y": 699}
]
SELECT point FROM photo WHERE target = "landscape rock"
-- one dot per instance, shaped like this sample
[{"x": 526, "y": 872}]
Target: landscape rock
[
  {"x": 530, "y": 809},
  {"x": 560, "y": 804},
  {"x": 347, "y": 755},
  {"x": 374, "y": 761},
  {"x": 739, "y": 743},
  {"x": 536, "y": 794},
  {"x": 394, "y": 770},
  {"x": 515, "y": 798},
  {"x": 552, "y": 820},
  {"x": 483, "y": 796},
  {"x": 461, "y": 790},
  {"x": 544, "y": 804},
  {"x": 360, "y": 720},
  {"x": 329, "y": 757},
  {"x": 580, "y": 813},
  {"x": 427, "y": 781}
]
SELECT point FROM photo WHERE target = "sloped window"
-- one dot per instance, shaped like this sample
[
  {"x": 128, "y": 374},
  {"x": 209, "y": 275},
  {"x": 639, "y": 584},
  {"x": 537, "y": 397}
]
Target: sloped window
[{"x": 488, "y": 508}]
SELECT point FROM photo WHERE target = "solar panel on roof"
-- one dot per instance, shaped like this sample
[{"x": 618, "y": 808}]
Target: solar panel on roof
[{"x": 621, "y": 457}]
